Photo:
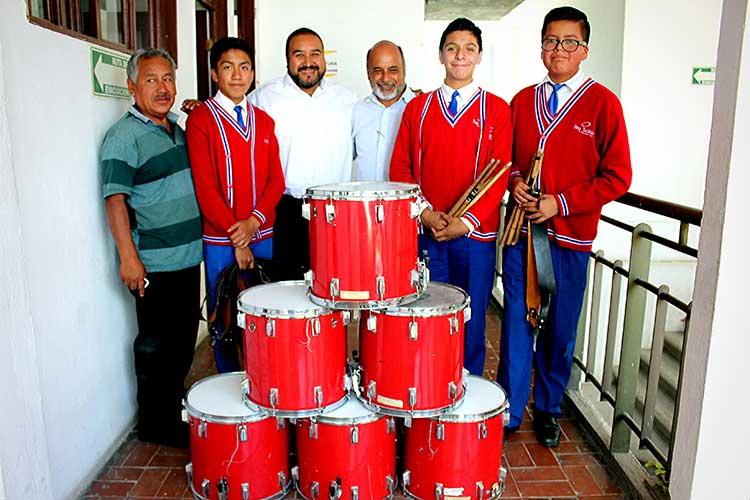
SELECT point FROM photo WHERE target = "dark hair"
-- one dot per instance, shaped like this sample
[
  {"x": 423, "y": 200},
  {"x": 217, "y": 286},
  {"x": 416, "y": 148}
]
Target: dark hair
[
  {"x": 226, "y": 44},
  {"x": 568, "y": 14},
  {"x": 298, "y": 32},
  {"x": 383, "y": 42},
  {"x": 462, "y": 24}
]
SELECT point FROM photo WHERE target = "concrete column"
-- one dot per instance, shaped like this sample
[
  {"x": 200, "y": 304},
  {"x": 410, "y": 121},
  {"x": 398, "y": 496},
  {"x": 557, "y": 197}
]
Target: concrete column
[{"x": 713, "y": 434}]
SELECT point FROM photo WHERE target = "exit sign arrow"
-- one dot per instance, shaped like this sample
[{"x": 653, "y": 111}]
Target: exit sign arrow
[
  {"x": 704, "y": 75},
  {"x": 109, "y": 74}
]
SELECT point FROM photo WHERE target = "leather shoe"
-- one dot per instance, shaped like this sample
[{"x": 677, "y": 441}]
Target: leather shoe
[{"x": 546, "y": 429}]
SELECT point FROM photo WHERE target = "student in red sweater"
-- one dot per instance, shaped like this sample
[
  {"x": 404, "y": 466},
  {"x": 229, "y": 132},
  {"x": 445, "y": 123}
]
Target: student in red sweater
[
  {"x": 446, "y": 139},
  {"x": 234, "y": 157},
  {"x": 579, "y": 125}
]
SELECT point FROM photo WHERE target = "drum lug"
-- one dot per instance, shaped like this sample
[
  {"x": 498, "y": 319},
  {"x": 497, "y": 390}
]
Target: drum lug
[
  {"x": 184, "y": 413},
  {"x": 407, "y": 421},
  {"x": 440, "y": 432},
  {"x": 454, "y": 324},
  {"x": 354, "y": 434},
  {"x": 413, "y": 329},
  {"x": 282, "y": 480},
  {"x": 222, "y": 488},
  {"x": 390, "y": 483},
  {"x": 346, "y": 317},
  {"x": 280, "y": 423},
  {"x": 334, "y": 489},
  {"x": 318, "y": 391},
  {"x": 271, "y": 327},
  {"x": 316, "y": 326},
  {"x": 420, "y": 277},
  {"x": 245, "y": 491},
  {"x": 452, "y": 391},
  {"x": 273, "y": 397},
  {"x": 334, "y": 287},
  {"x": 295, "y": 473},
  {"x": 413, "y": 209},
  {"x": 480, "y": 490},
  {"x": 306, "y": 210},
  {"x": 501, "y": 475},
  {"x": 330, "y": 213},
  {"x": 241, "y": 320},
  {"x": 309, "y": 278},
  {"x": 372, "y": 323},
  {"x": 313, "y": 430},
  {"x": 355, "y": 493},
  {"x": 348, "y": 384},
  {"x": 245, "y": 386},
  {"x": 206, "y": 488},
  {"x": 506, "y": 418},
  {"x": 202, "y": 429},
  {"x": 189, "y": 472},
  {"x": 482, "y": 430},
  {"x": 243, "y": 433},
  {"x": 406, "y": 477},
  {"x": 412, "y": 397},
  {"x": 314, "y": 490},
  {"x": 379, "y": 212},
  {"x": 467, "y": 311},
  {"x": 439, "y": 491},
  {"x": 372, "y": 391},
  {"x": 252, "y": 326},
  {"x": 391, "y": 425},
  {"x": 380, "y": 286}
]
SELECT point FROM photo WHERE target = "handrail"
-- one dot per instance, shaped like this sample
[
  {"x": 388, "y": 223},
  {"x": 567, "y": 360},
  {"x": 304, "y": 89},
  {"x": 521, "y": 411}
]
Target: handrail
[{"x": 672, "y": 210}]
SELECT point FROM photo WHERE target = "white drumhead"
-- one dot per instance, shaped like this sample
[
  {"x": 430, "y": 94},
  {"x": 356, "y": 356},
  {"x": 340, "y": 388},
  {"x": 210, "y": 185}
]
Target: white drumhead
[
  {"x": 438, "y": 298},
  {"x": 220, "y": 396},
  {"x": 483, "y": 398},
  {"x": 285, "y": 298},
  {"x": 351, "y": 412},
  {"x": 364, "y": 190}
]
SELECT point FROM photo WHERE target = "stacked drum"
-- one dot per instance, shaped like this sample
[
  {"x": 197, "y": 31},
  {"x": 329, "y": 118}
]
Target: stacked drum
[{"x": 347, "y": 414}]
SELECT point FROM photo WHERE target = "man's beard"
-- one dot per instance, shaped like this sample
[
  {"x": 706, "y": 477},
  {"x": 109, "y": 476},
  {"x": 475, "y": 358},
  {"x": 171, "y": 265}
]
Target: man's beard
[
  {"x": 389, "y": 92},
  {"x": 307, "y": 84}
]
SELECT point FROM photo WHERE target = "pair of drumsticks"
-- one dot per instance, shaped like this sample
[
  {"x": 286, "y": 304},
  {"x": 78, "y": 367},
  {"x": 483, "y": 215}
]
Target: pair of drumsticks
[
  {"x": 513, "y": 227},
  {"x": 481, "y": 185}
]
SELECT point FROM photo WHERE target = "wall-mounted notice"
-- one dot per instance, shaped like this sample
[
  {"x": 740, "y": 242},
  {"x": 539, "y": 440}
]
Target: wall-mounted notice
[
  {"x": 332, "y": 63},
  {"x": 109, "y": 75},
  {"x": 704, "y": 76}
]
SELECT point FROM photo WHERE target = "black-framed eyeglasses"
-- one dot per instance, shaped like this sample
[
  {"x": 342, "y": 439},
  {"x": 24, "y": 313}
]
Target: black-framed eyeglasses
[{"x": 567, "y": 44}]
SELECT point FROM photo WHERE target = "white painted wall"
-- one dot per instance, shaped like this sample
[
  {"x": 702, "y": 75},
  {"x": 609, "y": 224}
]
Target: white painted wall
[
  {"x": 68, "y": 374},
  {"x": 349, "y": 28}
]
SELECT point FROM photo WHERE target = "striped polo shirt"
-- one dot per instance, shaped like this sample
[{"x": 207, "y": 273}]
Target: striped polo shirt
[{"x": 143, "y": 161}]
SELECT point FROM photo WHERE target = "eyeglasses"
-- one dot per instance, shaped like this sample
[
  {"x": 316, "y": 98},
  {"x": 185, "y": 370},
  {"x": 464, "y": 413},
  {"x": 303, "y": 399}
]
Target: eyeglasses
[{"x": 567, "y": 44}]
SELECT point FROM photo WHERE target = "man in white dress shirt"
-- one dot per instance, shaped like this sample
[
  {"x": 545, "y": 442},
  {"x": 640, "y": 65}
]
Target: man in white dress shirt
[
  {"x": 376, "y": 118},
  {"x": 313, "y": 125}
]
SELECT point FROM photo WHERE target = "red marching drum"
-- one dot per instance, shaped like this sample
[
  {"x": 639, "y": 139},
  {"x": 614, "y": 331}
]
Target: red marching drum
[
  {"x": 236, "y": 453},
  {"x": 349, "y": 453},
  {"x": 459, "y": 453},
  {"x": 295, "y": 351},
  {"x": 363, "y": 244},
  {"x": 412, "y": 355}
]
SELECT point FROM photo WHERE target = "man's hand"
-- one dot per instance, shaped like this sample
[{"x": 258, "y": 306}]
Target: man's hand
[
  {"x": 434, "y": 220},
  {"x": 244, "y": 257},
  {"x": 455, "y": 229},
  {"x": 520, "y": 192},
  {"x": 543, "y": 209},
  {"x": 133, "y": 275},
  {"x": 189, "y": 105},
  {"x": 241, "y": 232}
]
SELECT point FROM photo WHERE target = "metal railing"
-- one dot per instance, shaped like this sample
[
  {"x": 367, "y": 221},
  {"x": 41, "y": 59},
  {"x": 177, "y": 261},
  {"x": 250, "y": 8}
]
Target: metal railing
[{"x": 633, "y": 282}]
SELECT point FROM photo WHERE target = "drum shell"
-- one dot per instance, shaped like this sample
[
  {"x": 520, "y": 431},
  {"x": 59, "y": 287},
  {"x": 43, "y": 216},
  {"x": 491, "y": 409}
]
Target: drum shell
[
  {"x": 295, "y": 360},
  {"x": 396, "y": 362},
  {"x": 365, "y": 464},
  {"x": 357, "y": 249}
]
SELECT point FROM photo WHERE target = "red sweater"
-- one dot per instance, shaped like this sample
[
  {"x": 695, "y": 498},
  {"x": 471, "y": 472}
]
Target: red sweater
[
  {"x": 586, "y": 156},
  {"x": 444, "y": 154},
  {"x": 236, "y": 173}
]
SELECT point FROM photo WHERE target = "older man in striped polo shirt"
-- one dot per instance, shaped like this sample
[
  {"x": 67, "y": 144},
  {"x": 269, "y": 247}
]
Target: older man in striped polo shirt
[{"x": 154, "y": 218}]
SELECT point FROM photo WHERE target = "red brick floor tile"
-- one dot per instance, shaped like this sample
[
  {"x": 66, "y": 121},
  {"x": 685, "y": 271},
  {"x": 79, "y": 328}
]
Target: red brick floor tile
[
  {"x": 141, "y": 455},
  {"x": 511, "y": 491},
  {"x": 572, "y": 447},
  {"x": 121, "y": 474},
  {"x": 578, "y": 459},
  {"x": 602, "y": 497},
  {"x": 149, "y": 483},
  {"x": 522, "y": 437},
  {"x": 545, "y": 489},
  {"x": 582, "y": 481},
  {"x": 517, "y": 455},
  {"x": 110, "y": 488},
  {"x": 542, "y": 456},
  {"x": 523, "y": 474},
  {"x": 169, "y": 461},
  {"x": 167, "y": 450},
  {"x": 122, "y": 453},
  {"x": 571, "y": 431},
  {"x": 174, "y": 485},
  {"x": 602, "y": 478}
]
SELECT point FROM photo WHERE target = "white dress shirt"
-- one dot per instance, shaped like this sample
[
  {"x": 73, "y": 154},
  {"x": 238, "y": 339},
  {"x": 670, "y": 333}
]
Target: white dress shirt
[
  {"x": 228, "y": 105},
  {"x": 464, "y": 93},
  {"x": 374, "y": 129},
  {"x": 567, "y": 90},
  {"x": 314, "y": 131}
]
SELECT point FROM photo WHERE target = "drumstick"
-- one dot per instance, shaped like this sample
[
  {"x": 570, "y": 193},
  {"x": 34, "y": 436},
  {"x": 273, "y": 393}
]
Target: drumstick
[
  {"x": 484, "y": 188},
  {"x": 482, "y": 176},
  {"x": 513, "y": 229}
]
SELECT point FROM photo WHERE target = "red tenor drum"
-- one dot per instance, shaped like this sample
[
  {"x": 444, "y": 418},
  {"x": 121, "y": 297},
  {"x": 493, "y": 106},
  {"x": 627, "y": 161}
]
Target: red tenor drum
[
  {"x": 412, "y": 356},
  {"x": 349, "y": 454},
  {"x": 459, "y": 454},
  {"x": 363, "y": 244},
  {"x": 236, "y": 453},
  {"x": 295, "y": 351}
]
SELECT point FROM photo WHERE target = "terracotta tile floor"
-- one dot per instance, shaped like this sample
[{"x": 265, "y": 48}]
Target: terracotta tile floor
[{"x": 573, "y": 470}]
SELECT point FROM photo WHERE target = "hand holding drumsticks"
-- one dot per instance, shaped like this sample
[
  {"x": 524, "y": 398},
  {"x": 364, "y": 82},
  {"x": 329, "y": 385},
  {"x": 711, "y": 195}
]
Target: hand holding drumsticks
[
  {"x": 479, "y": 187},
  {"x": 526, "y": 203}
]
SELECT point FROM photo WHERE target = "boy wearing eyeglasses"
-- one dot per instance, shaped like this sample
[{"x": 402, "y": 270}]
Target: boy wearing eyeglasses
[{"x": 579, "y": 125}]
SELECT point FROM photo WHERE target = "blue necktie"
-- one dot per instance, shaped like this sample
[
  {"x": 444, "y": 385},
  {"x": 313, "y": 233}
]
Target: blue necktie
[
  {"x": 453, "y": 106},
  {"x": 552, "y": 101},
  {"x": 238, "y": 110}
]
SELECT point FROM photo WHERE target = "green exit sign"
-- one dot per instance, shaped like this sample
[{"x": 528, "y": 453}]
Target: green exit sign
[
  {"x": 109, "y": 74},
  {"x": 704, "y": 76}
]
